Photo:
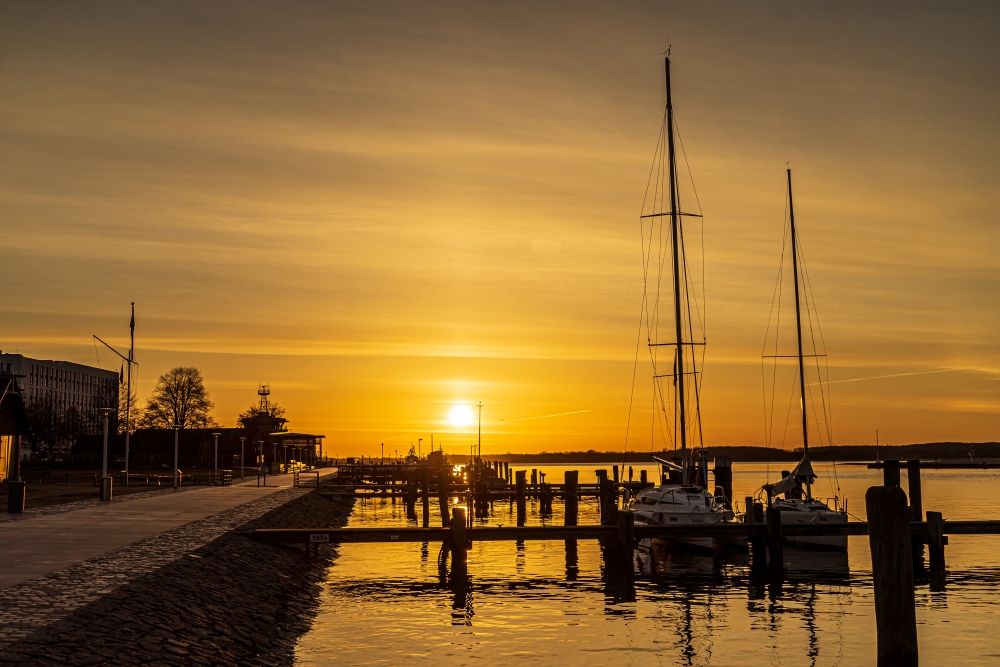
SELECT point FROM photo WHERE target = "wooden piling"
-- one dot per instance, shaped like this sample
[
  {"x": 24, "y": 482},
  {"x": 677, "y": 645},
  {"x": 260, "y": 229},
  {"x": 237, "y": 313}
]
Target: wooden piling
[
  {"x": 643, "y": 480},
  {"x": 522, "y": 510},
  {"x": 459, "y": 546},
  {"x": 607, "y": 504},
  {"x": 892, "y": 575},
  {"x": 775, "y": 547},
  {"x": 935, "y": 546},
  {"x": 626, "y": 538},
  {"x": 570, "y": 480},
  {"x": 426, "y": 497},
  {"x": 916, "y": 497},
  {"x": 890, "y": 473},
  {"x": 443, "y": 479}
]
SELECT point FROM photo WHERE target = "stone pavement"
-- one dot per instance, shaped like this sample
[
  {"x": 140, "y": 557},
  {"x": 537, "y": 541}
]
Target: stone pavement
[
  {"x": 48, "y": 541},
  {"x": 199, "y": 594}
]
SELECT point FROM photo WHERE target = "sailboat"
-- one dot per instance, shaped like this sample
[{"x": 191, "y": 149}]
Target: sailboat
[
  {"x": 681, "y": 497},
  {"x": 787, "y": 496}
]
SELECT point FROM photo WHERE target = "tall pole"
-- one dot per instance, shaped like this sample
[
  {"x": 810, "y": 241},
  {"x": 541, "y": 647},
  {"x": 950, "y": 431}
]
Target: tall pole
[
  {"x": 128, "y": 389},
  {"x": 479, "y": 439},
  {"x": 104, "y": 464},
  {"x": 798, "y": 327},
  {"x": 242, "y": 461},
  {"x": 419, "y": 440},
  {"x": 675, "y": 242},
  {"x": 177, "y": 430},
  {"x": 215, "y": 464}
]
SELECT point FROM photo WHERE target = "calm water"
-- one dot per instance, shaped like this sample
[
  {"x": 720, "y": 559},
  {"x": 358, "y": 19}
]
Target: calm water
[{"x": 384, "y": 604}]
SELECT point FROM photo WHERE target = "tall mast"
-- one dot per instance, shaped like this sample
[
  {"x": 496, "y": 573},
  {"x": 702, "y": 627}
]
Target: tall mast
[
  {"x": 798, "y": 327},
  {"x": 675, "y": 242}
]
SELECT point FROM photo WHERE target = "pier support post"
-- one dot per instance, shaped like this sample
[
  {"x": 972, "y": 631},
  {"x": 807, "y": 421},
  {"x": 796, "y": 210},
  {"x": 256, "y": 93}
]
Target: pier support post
[
  {"x": 443, "y": 495},
  {"x": 571, "y": 479},
  {"x": 459, "y": 547},
  {"x": 723, "y": 473},
  {"x": 426, "y": 497},
  {"x": 916, "y": 510},
  {"x": 892, "y": 575},
  {"x": 936, "y": 541},
  {"x": 606, "y": 494},
  {"x": 775, "y": 548},
  {"x": 626, "y": 539},
  {"x": 890, "y": 473},
  {"x": 643, "y": 480},
  {"x": 522, "y": 510}
]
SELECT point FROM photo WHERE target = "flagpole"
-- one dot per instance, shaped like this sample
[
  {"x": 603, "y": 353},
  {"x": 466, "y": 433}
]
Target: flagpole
[{"x": 128, "y": 389}]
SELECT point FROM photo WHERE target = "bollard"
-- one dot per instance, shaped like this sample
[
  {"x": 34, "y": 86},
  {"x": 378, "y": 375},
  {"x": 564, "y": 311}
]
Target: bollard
[
  {"x": 892, "y": 575},
  {"x": 15, "y": 496}
]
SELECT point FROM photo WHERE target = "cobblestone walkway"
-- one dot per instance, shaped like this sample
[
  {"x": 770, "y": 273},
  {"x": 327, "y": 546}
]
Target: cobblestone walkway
[{"x": 29, "y": 606}]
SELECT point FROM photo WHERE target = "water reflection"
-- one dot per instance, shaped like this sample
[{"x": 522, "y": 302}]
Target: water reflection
[{"x": 553, "y": 602}]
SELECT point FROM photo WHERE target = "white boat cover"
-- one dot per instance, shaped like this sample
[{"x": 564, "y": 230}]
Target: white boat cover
[{"x": 802, "y": 474}]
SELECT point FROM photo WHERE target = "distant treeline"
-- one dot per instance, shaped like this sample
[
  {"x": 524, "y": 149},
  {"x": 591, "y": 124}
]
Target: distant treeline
[{"x": 927, "y": 451}]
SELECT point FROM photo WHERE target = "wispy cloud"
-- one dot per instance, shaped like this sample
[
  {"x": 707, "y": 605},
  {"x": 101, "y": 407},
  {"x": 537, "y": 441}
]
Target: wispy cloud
[{"x": 558, "y": 414}]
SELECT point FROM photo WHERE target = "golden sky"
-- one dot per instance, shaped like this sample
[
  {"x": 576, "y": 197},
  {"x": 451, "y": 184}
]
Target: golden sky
[{"x": 387, "y": 209}]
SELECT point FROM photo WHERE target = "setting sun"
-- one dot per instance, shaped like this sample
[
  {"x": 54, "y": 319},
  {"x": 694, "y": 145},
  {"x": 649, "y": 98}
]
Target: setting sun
[{"x": 461, "y": 415}]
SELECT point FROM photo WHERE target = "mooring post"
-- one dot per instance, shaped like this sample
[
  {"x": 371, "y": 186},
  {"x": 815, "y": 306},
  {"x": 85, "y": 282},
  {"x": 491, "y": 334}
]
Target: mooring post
[
  {"x": 775, "y": 548},
  {"x": 426, "y": 493},
  {"x": 570, "y": 480},
  {"x": 935, "y": 545},
  {"x": 916, "y": 498},
  {"x": 522, "y": 510},
  {"x": 890, "y": 473},
  {"x": 443, "y": 495},
  {"x": 459, "y": 546},
  {"x": 892, "y": 575},
  {"x": 643, "y": 480},
  {"x": 614, "y": 472},
  {"x": 626, "y": 538},
  {"x": 608, "y": 508},
  {"x": 916, "y": 510}
]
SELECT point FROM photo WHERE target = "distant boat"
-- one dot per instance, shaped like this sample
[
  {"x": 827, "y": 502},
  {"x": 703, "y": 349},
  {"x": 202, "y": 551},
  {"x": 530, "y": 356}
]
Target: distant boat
[
  {"x": 681, "y": 497},
  {"x": 797, "y": 506}
]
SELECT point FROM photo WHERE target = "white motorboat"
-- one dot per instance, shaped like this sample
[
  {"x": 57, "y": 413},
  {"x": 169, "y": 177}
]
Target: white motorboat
[{"x": 679, "y": 505}]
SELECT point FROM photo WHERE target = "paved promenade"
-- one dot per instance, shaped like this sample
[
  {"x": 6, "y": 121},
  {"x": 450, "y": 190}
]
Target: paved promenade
[
  {"x": 35, "y": 546},
  {"x": 56, "y": 560}
]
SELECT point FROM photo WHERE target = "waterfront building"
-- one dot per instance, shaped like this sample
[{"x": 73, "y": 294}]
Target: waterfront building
[
  {"x": 62, "y": 397},
  {"x": 13, "y": 426}
]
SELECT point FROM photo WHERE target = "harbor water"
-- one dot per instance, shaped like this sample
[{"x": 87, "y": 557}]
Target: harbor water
[{"x": 531, "y": 603}]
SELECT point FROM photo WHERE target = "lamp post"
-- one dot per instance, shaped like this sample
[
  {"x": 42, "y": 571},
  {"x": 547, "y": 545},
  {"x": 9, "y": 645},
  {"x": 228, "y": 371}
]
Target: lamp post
[
  {"x": 242, "y": 466},
  {"x": 105, "y": 480},
  {"x": 177, "y": 430},
  {"x": 419, "y": 441},
  {"x": 215, "y": 464}
]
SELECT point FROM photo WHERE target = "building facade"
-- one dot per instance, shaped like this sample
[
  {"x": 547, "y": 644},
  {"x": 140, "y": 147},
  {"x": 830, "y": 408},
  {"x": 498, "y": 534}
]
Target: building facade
[{"x": 62, "y": 398}]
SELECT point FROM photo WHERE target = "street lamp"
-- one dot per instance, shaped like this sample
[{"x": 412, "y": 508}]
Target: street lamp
[
  {"x": 105, "y": 480},
  {"x": 419, "y": 440},
  {"x": 242, "y": 440},
  {"x": 177, "y": 430},
  {"x": 215, "y": 465}
]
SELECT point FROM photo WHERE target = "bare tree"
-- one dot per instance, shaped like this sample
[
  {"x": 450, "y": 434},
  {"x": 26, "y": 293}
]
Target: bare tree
[{"x": 179, "y": 397}]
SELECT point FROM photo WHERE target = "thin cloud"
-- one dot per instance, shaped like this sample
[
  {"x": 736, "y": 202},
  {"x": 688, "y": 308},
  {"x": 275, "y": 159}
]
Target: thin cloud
[{"x": 559, "y": 414}]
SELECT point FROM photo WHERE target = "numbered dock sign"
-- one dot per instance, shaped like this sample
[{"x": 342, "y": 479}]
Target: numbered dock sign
[{"x": 315, "y": 538}]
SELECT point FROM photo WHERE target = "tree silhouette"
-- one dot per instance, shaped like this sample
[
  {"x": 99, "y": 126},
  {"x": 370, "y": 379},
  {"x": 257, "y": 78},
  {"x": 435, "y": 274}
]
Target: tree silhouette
[{"x": 179, "y": 397}]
